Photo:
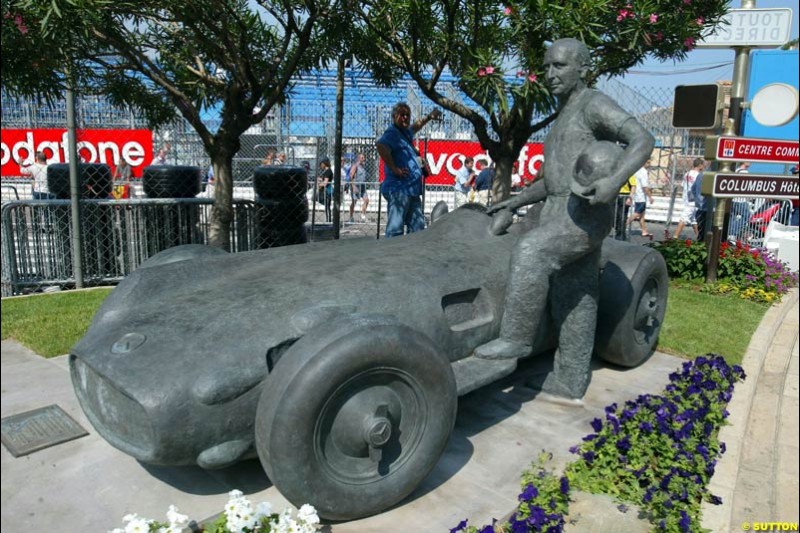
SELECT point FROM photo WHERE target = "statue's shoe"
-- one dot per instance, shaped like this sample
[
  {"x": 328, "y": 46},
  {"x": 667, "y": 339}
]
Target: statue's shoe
[
  {"x": 502, "y": 349},
  {"x": 554, "y": 390}
]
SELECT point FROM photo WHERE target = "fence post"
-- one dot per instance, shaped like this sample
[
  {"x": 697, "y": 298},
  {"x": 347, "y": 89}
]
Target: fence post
[{"x": 74, "y": 191}]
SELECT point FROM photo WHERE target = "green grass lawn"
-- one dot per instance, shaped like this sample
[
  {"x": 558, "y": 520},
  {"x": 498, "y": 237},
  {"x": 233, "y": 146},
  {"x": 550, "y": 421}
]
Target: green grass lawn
[
  {"x": 49, "y": 324},
  {"x": 696, "y": 323}
]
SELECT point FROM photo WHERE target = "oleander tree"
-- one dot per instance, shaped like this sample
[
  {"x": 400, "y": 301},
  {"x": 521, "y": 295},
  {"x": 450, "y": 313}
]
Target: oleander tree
[
  {"x": 169, "y": 59},
  {"x": 496, "y": 49}
]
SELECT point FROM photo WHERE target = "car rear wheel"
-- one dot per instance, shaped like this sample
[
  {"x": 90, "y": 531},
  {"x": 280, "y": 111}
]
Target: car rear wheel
[
  {"x": 355, "y": 415},
  {"x": 633, "y": 301}
]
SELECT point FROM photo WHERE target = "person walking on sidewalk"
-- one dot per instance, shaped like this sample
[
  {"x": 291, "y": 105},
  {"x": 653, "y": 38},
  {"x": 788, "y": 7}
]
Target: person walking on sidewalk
[
  {"x": 356, "y": 179},
  {"x": 689, "y": 214},
  {"x": 641, "y": 194}
]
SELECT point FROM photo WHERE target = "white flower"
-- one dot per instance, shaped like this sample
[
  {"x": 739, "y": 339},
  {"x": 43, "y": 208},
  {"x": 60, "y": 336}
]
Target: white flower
[
  {"x": 263, "y": 509},
  {"x": 235, "y": 494},
  {"x": 138, "y": 525},
  {"x": 308, "y": 514},
  {"x": 175, "y": 519}
]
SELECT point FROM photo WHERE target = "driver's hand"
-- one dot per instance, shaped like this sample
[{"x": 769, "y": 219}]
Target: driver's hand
[
  {"x": 601, "y": 191},
  {"x": 494, "y": 208}
]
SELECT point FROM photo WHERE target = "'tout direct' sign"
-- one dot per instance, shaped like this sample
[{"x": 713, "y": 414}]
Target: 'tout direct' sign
[{"x": 754, "y": 28}]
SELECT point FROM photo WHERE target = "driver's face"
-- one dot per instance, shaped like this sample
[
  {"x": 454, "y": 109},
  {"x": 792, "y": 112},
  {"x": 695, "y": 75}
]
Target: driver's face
[{"x": 561, "y": 70}]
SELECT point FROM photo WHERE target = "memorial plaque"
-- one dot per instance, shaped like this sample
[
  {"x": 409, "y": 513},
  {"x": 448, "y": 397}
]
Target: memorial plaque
[{"x": 36, "y": 430}]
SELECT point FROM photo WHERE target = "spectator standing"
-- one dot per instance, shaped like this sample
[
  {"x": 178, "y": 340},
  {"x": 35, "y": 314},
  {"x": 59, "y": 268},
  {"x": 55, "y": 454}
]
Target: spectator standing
[
  {"x": 740, "y": 211},
  {"x": 122, "y": 180},
  {"x": 269, "y": 159},
  {"x": 688, "y": 216},
  {"x": 280, "y": 159},
  {"x": 404, "y": 167},
  {"x": 356, "y": 178},
  {"x": 641, "y": 194},
  {"x": 464, "y": 180},
  {"x": 703, "y": 207},
  {"x": 325, "y": 186},
  {"x": 123, "y": 172},
  {"x": 161, "y": 156},
  {"x": 622, "y": 208},
  {"x": 794, "y": 218},
  {"x": 483, "y": 184},
  {"x": 37, "y": 170}
]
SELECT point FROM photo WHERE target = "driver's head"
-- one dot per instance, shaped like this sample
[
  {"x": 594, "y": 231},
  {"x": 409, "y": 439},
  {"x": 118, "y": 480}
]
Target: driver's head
[{"x": 566, "y": 64}]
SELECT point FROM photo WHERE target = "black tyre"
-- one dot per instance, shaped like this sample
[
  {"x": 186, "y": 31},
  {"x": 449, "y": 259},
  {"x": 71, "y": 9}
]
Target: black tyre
[
  {"x": 355, "y": 415},
  {"x": 283, "y": 213},
  {"x": 633, "y": 301},
  {"x": 95, "y": 180},
  {"x": 281, "y": 181},
  {"x": 184, "y": 252},
  {"x": 171, "y": 181}
]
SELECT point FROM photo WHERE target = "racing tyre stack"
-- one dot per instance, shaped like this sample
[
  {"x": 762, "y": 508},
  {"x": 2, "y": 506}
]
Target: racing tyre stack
[
  {"x": 282, "y": 208},
  {"x": 95, "y": 183},
  {"x": 171, "y": 181},
  {"x": 171, "y": 223}
]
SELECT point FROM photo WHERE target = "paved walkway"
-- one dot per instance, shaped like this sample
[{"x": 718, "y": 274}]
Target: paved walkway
[
  {"x": 86, "y": 485},
  {"x": 757, "y": 477}
]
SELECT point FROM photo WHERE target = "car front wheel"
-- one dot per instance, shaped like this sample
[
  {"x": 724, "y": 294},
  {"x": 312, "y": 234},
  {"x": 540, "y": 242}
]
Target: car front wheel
[{"x": 355, "y": 415}]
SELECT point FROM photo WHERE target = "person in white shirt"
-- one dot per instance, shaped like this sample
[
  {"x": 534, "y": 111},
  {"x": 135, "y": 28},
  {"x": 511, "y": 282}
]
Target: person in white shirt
[
  {"x": 38, "y": 173},
  {"x": 465, "y": 177},
  {"x": 689, "y": 207},
  {"x": 641, "y": 194}
]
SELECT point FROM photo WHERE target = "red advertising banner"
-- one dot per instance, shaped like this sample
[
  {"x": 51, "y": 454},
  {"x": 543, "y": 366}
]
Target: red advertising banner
[
  {"x": 94, "y": 146},
  {"x": 446, "y": 157},
  {"x": 755, "y": 150}
]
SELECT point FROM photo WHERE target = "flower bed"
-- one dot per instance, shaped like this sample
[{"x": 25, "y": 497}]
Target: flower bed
[
  {"x": 657, "y": 452},
  {"x": 751, "y": 273},
  {"x": 239, "y": 517}
]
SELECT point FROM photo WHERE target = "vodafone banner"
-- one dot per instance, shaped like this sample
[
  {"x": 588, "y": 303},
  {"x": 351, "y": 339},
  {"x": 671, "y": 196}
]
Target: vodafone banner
[
  {"x": 94, "y": 146},
  {"x": 446, "y": 157}
]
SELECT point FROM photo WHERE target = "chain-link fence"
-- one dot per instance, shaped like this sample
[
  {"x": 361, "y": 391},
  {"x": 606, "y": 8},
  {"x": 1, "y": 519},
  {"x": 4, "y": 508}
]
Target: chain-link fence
[{"x": 145, "y": 190}]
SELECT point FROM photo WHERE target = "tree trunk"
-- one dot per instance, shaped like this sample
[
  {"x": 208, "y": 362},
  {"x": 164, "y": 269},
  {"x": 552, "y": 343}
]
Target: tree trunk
[
  {"x": 222, "y": 210},
  {"x": 501, "y": 187}
]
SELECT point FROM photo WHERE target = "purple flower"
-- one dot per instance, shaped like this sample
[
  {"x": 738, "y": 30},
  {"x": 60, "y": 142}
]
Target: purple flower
[
  {"x": 685, "y": 522},
  {"x": 538, "y": 517},
  {"x": 529, "y": 493},
  {"x": 460, "y": 527},
  {"x": 597, "y": 424},
  {"x": 624, "y": 444},
  {"x": 564, "y": 485}
]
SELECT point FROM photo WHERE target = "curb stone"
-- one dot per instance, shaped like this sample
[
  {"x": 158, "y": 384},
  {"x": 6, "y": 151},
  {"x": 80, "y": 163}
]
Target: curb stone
[{"x": 717, "y": 518}]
